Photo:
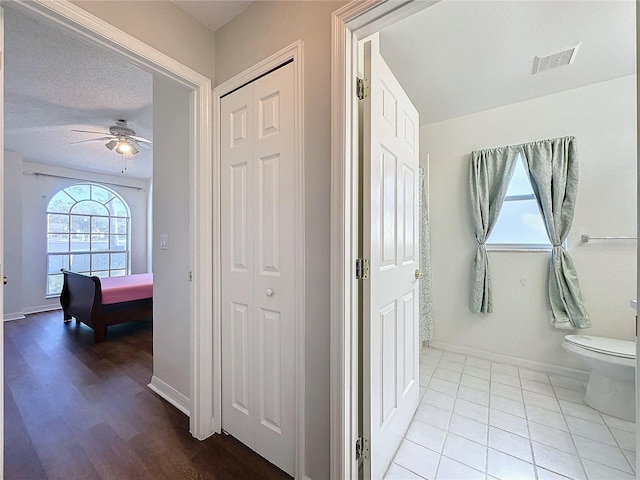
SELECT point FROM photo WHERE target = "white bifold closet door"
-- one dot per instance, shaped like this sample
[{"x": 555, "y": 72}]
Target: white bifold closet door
[{"x": 258, "y": 283}]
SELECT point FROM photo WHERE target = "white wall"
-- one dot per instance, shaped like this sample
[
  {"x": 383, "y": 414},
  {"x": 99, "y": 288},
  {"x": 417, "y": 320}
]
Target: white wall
[
  {"x": 602, "y": 117},
  {"x": 26, "y": 214},
  {"x": 171, "y": 216},
  {"x": 261, "y": 30}
]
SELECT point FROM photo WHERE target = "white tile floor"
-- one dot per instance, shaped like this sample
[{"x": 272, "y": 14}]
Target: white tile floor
[{"x": 487, "y": 420}]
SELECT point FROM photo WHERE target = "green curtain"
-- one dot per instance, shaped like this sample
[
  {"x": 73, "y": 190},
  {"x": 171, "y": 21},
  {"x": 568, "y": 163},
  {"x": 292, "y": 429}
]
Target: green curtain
[
  {"x": 491, "y": 172},
  {"x": 553, "y": 170}
]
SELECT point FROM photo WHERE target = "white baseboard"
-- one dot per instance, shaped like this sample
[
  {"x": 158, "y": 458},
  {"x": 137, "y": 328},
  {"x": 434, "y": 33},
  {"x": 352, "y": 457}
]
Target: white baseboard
[
  {"x": 41, "y": 308},
  {"x": 518, "y": 362},
  {"x": 170, "y": 394},
  {"x": 29, "y": 310}
]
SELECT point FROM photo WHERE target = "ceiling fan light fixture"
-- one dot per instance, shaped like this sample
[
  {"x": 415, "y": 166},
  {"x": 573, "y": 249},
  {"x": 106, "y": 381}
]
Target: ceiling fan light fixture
[
  {"x": 124, "y": 146},
  {"x": 111, "y": 144}
]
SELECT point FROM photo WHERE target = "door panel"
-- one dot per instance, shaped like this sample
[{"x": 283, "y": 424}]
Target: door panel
[
  {"x": 274, "y": 282},
  {"x": 390, "y": 239},
  {"x": 258, "y": 273},
  {"x": 237, "y": 265}
]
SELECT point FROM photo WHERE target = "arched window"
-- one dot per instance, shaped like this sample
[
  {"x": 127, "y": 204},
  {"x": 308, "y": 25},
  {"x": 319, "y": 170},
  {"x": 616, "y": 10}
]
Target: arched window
[{"x": 87, "y": 232}]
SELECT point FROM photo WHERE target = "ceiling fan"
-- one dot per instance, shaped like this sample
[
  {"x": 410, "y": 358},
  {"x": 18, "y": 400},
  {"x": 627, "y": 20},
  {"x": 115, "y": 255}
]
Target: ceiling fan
[{"x": 122, "y": 138}]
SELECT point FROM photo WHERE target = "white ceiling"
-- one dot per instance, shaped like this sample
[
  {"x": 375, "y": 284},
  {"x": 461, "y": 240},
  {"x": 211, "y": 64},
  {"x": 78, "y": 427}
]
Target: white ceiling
[
  {"x": 459, "y": 57},
  {"x": 55, "y": 82},
  {"x": 454, "y": 58},
  {"x": 213, "y": 13}
]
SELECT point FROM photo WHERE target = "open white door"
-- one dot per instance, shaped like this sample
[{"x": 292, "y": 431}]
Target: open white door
[{"x": 390, "y": 329}]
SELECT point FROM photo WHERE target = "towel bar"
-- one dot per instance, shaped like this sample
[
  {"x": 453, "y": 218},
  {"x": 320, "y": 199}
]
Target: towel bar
[{"x": 586, "y": 238}]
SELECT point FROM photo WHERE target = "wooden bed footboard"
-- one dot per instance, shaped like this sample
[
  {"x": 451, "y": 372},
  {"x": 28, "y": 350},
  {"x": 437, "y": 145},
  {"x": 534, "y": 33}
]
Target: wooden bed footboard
[{"x": 81, "y": 298}]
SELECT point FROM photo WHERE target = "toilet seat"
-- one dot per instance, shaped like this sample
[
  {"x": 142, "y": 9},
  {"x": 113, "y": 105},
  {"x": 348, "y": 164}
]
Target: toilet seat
[{"x": 607, "y": 346}]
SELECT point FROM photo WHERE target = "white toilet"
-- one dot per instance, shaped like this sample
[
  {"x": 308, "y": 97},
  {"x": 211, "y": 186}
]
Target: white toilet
[{"x": 611, "y": 388}]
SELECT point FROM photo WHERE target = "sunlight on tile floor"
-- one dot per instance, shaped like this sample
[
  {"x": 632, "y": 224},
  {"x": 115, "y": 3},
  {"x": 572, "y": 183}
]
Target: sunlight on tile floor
[{"x": 485, "y": 420}]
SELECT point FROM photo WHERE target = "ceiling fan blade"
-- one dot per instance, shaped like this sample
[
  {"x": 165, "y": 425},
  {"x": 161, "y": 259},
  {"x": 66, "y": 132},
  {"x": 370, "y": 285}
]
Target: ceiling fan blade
[
  {"x": 90, "y": 131},
  {"x": 141, "y": 139},
  {"x": 101, "y": 139}
]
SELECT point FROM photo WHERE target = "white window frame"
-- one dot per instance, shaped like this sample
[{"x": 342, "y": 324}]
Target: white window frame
[
  {"x": 519, "y": 247},
  {"x": 69, "y": 252}
]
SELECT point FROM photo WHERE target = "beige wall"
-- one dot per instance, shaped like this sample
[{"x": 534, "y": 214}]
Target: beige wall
[
  {"x": 602, "y": 117},
  {"x": 261, "y": 30},
  {"x": 171, "y": 188},
  {"x": 163, "y": 26}
]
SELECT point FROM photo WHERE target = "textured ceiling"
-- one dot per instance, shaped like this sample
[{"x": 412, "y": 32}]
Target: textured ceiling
[
  {"x": 55, "y": 82},
  {"x": 454, "y": 58},
  {"x": 459, "y": 57},
  {"x": 213, "y": 14}
]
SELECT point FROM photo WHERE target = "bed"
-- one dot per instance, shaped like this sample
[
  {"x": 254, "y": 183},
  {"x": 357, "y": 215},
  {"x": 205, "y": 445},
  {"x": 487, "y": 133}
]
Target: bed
[{"x": 101, "y": 302}]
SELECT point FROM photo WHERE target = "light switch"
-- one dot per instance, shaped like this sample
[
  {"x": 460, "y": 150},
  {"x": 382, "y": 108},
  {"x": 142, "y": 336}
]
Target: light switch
[{"x": 164, "y": 241}]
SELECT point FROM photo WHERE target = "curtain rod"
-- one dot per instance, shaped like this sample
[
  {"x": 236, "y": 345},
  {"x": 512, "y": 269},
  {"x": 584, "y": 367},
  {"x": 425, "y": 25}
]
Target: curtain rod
[
  {"x": 520, "y": 145},
  {"x": 40, "y": 174}
]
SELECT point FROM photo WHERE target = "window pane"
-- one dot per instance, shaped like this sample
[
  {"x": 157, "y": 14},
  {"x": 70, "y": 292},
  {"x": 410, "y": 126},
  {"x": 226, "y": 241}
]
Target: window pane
[
  {"x": 99, "y": 225},
  {"x": 60, "y": 203},
  {"x": 57, "y": 223},
  {"x": 118, "y": 273},
  {"x": 56, "y": 262},
  {"x": 118, "y": 260},
  {"x": 80, "y": 224},
  {"x": 519, "y": 222},
  {"x": 79, "y": 243},
  {"x": 79, "y": 192},
  {"x": 99, "y": 194},
  {"x": 100, "y": 242},
  {"x": 89, "y": 207},
  {"x": 100, "y": 261},
  {"x": 117, "y": 208},
  {"x": 118, "y": 242},
  {"x": 57, "y": 243},
  {"x": 54, "y": 284},
  {"x": 80, "y": 263},
  {"x": 119, "y": 225},
  {"x": 101, "y": 274},
  {"x": 520, "y": 184}
]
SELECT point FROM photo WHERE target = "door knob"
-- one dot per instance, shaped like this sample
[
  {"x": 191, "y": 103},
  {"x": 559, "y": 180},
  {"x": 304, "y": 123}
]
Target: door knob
[
  {"x": 418, "y": 274},
  {"x": 269, "y": 292}
]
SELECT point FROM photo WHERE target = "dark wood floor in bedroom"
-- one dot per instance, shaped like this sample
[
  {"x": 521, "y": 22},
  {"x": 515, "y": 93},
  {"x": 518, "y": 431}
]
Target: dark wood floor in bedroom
[{"x": 79, "y": 410}]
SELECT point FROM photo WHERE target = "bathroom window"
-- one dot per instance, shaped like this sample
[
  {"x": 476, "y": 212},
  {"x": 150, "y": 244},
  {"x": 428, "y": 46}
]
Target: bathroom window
[{"x": 520, "y": 225}]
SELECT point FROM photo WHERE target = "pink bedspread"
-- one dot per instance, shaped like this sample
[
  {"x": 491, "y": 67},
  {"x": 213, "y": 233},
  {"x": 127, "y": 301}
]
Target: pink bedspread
[{"x": 125, "y": 289}]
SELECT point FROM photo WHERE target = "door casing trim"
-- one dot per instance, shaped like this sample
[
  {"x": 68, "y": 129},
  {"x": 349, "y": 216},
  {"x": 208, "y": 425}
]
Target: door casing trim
[{"x": 354, "y": 21}]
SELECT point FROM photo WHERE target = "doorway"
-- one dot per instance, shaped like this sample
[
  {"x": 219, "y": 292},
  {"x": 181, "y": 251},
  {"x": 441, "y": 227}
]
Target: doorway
[
  {"x": 76, "y": 20},
  {"x": 344, "y": 175}
]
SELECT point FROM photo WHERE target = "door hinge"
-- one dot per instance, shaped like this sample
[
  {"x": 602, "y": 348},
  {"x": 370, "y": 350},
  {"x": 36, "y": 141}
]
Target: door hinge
[
  {"x": 191, "y": 276},
  {"x": 362, "y": 88},
  {"x": 362, "y": 269},
  {"x": 362, "y": 448}
]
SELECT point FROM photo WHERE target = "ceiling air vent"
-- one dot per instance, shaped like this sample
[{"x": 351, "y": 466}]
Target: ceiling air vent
[{"x": 555, "y": 60}]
